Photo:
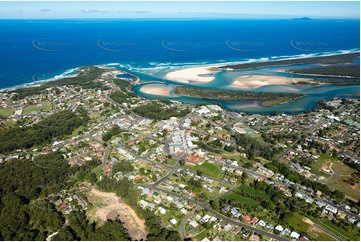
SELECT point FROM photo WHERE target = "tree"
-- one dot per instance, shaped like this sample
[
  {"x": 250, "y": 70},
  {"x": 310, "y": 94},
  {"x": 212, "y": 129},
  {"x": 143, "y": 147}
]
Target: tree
[
  {"x": 123, "y": 166},
  {"x": 215, "y": 205}
]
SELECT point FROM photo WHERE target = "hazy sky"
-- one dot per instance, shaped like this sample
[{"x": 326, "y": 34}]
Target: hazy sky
[{"x": 268, "y": 9}]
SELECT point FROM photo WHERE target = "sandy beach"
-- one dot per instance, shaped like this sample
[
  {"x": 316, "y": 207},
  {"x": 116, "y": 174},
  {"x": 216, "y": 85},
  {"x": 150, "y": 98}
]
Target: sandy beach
[
  {"x": 251, "y": 82},
  {"x": 156, "y": 89},
  {"x": 194, "y": 74}
]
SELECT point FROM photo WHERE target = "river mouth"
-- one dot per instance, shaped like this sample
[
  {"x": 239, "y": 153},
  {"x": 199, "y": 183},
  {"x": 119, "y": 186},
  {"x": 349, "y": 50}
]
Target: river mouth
[{"x": 268, "y": 79}]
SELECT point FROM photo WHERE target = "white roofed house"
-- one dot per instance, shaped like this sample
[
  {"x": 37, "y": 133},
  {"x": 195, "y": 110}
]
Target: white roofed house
[
  {"x": 295, "y": 235},
  {"x": 279, "y": 228}
]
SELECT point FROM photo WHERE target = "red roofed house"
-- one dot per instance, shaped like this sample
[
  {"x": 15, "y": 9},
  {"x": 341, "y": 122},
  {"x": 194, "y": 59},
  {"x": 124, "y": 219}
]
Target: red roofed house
[
  {"x": 254, "y": 220},
  {"x": 247, "y": 218},
  {"x": 192, "y": 159}
]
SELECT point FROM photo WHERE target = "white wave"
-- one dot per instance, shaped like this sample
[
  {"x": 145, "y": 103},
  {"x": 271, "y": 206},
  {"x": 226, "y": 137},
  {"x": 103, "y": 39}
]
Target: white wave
[{"x": 67, "y": 73}]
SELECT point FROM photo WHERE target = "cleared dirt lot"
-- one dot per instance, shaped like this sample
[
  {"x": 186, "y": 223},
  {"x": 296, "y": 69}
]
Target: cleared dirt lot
[{"x": 111, "y": 207}]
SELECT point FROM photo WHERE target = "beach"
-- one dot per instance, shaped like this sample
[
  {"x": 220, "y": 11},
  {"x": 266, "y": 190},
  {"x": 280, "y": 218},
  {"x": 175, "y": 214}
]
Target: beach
[
  {"x": 250, "y": 82},
  {"x": 157, "y": 89},
  {"x": 203, "y": 74}
]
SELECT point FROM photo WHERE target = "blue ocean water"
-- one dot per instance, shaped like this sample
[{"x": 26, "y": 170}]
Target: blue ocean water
[{"x": 33, "y": 50}]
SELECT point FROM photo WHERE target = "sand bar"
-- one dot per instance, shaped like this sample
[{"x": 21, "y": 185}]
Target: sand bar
[
  {"x": 203, "y": 74},
  {"x": 249, "y": 82},
  {"x": 157, "y": 89}
]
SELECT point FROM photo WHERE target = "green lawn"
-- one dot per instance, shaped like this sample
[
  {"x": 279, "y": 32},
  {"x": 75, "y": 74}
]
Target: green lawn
[
  {"x": 201, "y": 235},
  {"x": 77, "y": 130},
  {"x": 317, "y": 166},
  {"x": 343, "y": 186},
  {"x": 325, "y": 237},
  {"x": 242, "y": 200},
  {"x": 6, "y": 112},
  {"x": 97, "y": 171},
  {"x": 94, "y": 115},
  {"x": 170, "y": 214},
  {"x": 296, "y": 221},
  {"x": 352, "y": 235},
  {"x": 43, "y": 107},
  {"x": 9, "y": 123},
  {"x": 342, "y": 169},
  {"x": 211, "y": 170},
  {"x": 254, "y": 192}
]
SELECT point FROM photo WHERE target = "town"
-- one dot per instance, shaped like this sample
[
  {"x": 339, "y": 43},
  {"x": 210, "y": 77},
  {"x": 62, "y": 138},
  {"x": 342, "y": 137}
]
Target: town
[{"x": 208, "y": 173}]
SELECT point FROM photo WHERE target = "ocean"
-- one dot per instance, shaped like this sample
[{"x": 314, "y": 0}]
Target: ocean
[{"x": 36, "y": 50}]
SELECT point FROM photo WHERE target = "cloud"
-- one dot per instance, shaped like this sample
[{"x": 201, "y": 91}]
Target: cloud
[
  {"x": 19, "y": 10},
  {"x": 108, "y": 11},
  {"x": 45, "y": 10}
]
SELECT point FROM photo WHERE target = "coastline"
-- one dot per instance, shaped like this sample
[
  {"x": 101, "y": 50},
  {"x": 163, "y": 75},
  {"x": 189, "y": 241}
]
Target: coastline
[
  {"x": 211, "y": 65},
  {"x": 156, "y": 89},
  {"x": 200, "y": 74},
  {"x": 38, "y": 83}
]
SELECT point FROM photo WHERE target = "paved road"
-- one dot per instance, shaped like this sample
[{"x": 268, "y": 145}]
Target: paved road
[
  {"x": 106, "y": 155},
  {"x": 182, "y": 227}
]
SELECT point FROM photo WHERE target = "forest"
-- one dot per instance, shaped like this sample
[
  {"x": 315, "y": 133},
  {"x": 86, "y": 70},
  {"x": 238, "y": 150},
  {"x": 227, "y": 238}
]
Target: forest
[
  {"x": 26, "y": 212},
  {"x": 254, "y": 147},
  {"x": 326, "y": 60},
  {"x": 340, "y": 71},
  {"x": 111, "y": 132},
  {"x": 125, "y": 189},
  {"x": 54, "y": 126},
  {"x": 266, "y": 99},
  {"x": 160, "y": 112}
]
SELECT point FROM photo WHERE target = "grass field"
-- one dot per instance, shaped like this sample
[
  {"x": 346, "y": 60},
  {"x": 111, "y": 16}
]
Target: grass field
[
  {"x": 201, "y": 235},
  {"x": 342, "y": 169},
  {"x": 339, "y": 184},
  {"x": 6, "y": 112},
  {"x": 97, "y": 171},
  {"x": 94, "y": 115},
  {"x": 254, "y": 192},
  {"x": 296, "y": 222},
  {"x": 77, "y": 130},
  {"x": 170, "y": 214},
  {"x": 323, "y": 161},
  {"x": 9, "y": 123},
  {"x": 243, "y": 200},
  {"x": 302, "y": 224},
  {"x": 43, "y": 107},
  {"x": 352, "y": 235},
  {"x": 211, "y": 170}
]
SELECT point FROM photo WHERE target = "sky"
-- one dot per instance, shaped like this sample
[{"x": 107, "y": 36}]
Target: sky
[{"x": 150, "y": 9}]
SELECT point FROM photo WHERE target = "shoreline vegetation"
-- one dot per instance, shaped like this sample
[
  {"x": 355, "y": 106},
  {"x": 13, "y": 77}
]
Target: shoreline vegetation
[
  {"x": 265, "y": 99},
  {"x": 329, "y": 71},
  {"x": 324, "y": 60},
  {"x": 86, "y": 78}
]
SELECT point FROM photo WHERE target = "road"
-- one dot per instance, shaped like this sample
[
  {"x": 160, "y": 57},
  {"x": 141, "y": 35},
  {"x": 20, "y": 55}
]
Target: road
[
  {"x": 215, "y": 213},
  {"x": 106, "y": 155},
  {"x": 182, "y": 227}
]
